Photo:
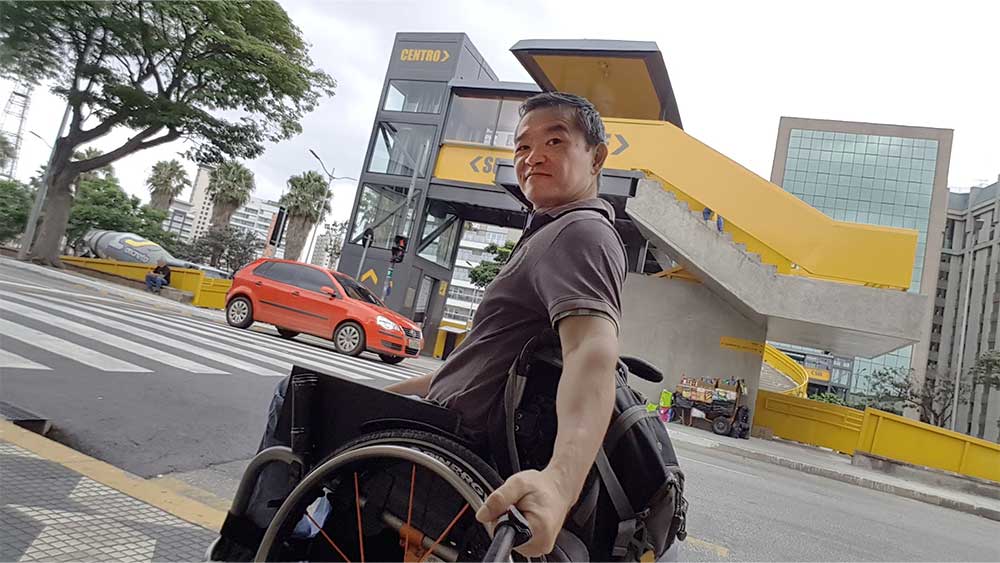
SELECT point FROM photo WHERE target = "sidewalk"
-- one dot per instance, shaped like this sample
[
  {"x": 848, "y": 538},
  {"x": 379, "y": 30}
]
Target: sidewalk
[
  {"x": 833, "y": 465},
  {"x": 51, "y": 510}
]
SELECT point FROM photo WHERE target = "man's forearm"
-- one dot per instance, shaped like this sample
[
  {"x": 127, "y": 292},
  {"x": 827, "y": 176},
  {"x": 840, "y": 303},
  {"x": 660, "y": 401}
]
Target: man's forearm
[
  {"x": 584, "y": 402},
  {"x": 419, "y": 386}
]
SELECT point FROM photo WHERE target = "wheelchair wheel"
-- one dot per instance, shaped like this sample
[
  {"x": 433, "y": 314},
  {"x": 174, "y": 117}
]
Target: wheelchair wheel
[{"x": 394, "y": 495}]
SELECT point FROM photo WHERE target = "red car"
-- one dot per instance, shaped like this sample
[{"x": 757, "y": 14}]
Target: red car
[{"x": 302, "y": 298}]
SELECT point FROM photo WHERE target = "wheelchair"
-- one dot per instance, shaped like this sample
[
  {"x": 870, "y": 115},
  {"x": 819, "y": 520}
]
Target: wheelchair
[{"x": 372, "y": 475}]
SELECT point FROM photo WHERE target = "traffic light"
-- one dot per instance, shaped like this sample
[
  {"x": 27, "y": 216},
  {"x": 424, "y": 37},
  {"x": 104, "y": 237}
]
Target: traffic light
[{"x": 398, "y": 248}]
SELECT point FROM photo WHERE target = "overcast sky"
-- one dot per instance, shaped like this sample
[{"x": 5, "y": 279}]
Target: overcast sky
[{"x": 736, "y": 68}]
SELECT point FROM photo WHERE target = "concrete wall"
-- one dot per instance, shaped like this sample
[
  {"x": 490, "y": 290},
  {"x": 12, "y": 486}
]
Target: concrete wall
[{"x": 677, "y": 325}]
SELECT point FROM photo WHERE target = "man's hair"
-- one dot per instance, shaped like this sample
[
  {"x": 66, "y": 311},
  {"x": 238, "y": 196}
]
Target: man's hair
[{"x": 587, "y": 117}]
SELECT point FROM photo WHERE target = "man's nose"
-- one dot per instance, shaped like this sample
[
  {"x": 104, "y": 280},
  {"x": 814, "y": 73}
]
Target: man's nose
[{"x": 535, "y": 156}]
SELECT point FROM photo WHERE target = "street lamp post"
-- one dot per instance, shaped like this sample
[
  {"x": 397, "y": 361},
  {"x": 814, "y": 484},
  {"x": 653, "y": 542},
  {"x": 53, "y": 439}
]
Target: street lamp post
[{"x": 330, "y": 178}]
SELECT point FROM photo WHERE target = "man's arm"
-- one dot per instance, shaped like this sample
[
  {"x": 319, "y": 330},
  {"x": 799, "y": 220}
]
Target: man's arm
[
  {"x": 418, "y": 386},
  {"x": 584, "y": 402}
]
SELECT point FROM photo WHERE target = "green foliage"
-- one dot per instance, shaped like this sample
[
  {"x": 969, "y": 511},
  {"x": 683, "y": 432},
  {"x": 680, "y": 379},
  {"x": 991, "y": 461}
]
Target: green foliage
[
  {"x": 831, "y": 398},
  {"x": 6, "y": 151},
  {"x": 15, "y": 205},
  {"x": 229, "y": 187},
  {"x": 166, "y": 181},
  {"x": 229, "y": 248},
  {"x": 103, "y": 204},
  {"x": 483, "y": 274},
  {"x": 107, "y": 171},
  {"x": 169, "y": 66},
  {"x": 308, "y": 196}
]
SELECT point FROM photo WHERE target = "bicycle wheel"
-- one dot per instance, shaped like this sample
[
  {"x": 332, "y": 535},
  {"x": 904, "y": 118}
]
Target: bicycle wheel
[{"x": 395, "y": 495}]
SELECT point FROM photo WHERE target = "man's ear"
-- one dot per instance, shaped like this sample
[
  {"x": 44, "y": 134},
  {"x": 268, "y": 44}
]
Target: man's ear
[{"x": 600, "y": 155}]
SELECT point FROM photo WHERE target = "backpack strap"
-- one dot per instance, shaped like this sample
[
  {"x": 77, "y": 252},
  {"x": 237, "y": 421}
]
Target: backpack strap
[
  {"x": 629, "y": 523},
  {"x": 623, "y": 422}
]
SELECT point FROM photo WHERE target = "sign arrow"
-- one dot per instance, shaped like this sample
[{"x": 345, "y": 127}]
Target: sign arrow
[
  {"x": 622, "y": 146},
  {"x": 473, "y": 162},
  {"x": 370, "y": 274},
  {"x": 446, "y": 56}
]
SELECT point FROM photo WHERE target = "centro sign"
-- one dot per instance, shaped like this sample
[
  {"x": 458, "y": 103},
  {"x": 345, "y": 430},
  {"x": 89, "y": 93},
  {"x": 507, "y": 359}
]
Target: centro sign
[{"x": 424, "y": 55}]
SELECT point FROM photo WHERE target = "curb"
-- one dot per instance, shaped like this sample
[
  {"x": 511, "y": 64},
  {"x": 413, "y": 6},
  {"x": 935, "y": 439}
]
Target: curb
[
  {"x": 865, "y": 482},
  {"x": 163, "y": 495},
  {"x": 107, "y": 288}
]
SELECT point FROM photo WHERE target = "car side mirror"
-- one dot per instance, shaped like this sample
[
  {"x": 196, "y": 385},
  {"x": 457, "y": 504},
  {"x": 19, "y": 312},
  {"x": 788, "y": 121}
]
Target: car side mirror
[{"x": 329, "y": 291}]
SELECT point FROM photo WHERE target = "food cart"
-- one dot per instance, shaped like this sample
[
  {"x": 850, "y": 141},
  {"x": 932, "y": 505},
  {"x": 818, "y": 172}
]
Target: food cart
[{"x": 723, "y": 402}]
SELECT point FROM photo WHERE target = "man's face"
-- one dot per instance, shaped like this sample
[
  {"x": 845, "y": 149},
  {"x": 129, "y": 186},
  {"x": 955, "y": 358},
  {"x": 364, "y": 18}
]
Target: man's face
[{"x": 554, "y": 165}]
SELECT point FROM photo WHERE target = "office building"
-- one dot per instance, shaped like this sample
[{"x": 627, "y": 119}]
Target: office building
[
  {"x": 889, "y": 175},
  {"x": 967, "y": 304},
  {"x": 463, "y": 296},
  {"x": 201, "y": 203},
  {"x": 180, "y": 220}
]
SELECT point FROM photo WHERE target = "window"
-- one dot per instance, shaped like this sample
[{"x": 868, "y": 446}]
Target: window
[
  {"x": 311, "y": 279},
  {"x": 383, "y": 205},
  {"x": 441, "y": 230},
  {"x": 357, "y": 291},
  {"x": 486, "y": 121},
  {"x": 398, "y": 146},
  {"x": 282, "y": 272},
  {"x": 472, "y": 120},
  {"x": 415, "y": 96}
]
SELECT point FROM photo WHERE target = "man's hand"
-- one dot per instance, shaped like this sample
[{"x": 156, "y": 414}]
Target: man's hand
[{"x": 541, "y": 498}]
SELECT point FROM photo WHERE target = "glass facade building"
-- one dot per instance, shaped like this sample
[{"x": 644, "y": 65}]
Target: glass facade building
[{"x": 864, "y": 176}]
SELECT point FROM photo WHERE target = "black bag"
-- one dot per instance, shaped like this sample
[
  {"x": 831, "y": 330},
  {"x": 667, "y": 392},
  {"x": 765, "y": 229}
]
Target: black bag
[{"x": 633, "y": 500}]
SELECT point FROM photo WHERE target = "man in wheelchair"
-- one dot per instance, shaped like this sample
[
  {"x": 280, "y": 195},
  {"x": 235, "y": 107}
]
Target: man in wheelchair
[{"x": 537, "y": 385}]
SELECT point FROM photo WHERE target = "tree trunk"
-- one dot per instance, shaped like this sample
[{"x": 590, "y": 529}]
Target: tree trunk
[
  {"x": 983, "y": 408},
  {"x": 295, "y": 237},
  {"x": 221, "y": 213},
  {"x": 160, "y": 201},
  {"x": 55, "y": 219}
]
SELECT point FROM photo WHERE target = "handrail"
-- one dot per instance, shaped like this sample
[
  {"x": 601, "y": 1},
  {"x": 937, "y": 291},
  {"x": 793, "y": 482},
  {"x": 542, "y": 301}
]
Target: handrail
[{"x": 790, "y": 368}]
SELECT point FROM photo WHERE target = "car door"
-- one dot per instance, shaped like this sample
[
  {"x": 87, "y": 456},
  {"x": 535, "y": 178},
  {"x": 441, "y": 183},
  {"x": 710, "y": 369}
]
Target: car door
[
  {"x": 276, "y": 294},
  {"x": 321, "y": 311}
]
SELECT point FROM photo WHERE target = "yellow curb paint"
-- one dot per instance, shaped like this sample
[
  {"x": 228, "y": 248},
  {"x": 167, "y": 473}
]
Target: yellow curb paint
[
  {"x": 703, "y": 545},
  {"x": 158, "y": 493}
]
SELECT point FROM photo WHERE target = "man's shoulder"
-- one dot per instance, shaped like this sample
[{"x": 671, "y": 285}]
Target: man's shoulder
[{"x": 586, "y": 227}]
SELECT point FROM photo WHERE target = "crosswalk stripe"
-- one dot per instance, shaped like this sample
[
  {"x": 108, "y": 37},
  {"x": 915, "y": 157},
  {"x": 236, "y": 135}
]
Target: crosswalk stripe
[
  {"x": 12, "y": 360},
  {"x": 111, "y": 340},
  {"x": 66, "y": 348},
  {"x": 152, "y": 336},
  {"x": 287, "y": 347},
  {"x": 347, "y": 361},
  {"x": 186, "y": 332}
]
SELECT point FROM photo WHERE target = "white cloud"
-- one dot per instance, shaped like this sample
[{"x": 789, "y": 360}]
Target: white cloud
[{"x": 736, "y": 68}]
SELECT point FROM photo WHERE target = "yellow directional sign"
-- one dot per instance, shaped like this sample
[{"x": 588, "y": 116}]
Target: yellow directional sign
[
  {"x": 741, "y": 344},
  {"x": 444, "y": 289},
  {"x": 424, "y": 55},
  {"x": 370, "y": 274}
]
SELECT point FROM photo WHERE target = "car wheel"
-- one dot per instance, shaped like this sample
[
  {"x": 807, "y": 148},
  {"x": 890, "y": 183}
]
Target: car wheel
[
  {"x": 239, "y": 312},
  {"x": 349, "y": 338},
  {"x": 721, "y": 426},
  {"x": 392, "y": 360},
  {"x": 285, "y": 333}
]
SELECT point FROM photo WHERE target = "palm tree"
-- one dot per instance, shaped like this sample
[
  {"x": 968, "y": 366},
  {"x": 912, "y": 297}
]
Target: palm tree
[
  {"x": 6, "y": 151},
  {"x": 229, "y": 188},
  {"x": 166, "y": 181},
  {"x": 88, "y": 153},
  {"x": 307, "y": 203}
]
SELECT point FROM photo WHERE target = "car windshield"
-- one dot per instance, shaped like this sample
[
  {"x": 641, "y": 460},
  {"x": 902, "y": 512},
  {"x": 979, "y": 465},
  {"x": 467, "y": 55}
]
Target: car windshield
[{"x": 357, "y": 291}]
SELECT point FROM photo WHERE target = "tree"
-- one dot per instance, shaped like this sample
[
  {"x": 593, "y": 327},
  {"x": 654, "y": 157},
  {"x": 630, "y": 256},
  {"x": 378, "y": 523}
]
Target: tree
[
  {"x": 229, "y": 248},
  {"x": 985, "y": 374},
  {"x": 6, "y": 151},
  {"x": 307, "y": 203},
  {"x": 15, "y": 204},
  {"x": 103, "y": 204},
  {"x": 107, "y": 172},
  {"x": 166, "y": 181},
  {"x": 483, "y": 274},
  {"x": 229, "y": 187},
  {"x": 165, "y": 70},
  {"x": 337, "y": 231},
  {"x": 893, "y": 389}
]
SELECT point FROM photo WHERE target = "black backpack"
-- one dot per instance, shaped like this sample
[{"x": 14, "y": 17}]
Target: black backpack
[{"x": 633, "y": 500}]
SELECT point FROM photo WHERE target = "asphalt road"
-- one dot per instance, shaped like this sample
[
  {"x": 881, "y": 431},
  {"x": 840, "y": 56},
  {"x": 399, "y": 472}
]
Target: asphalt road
[
  {"x": 154, "y": 414},
  {"x": 147, "y": 389}
]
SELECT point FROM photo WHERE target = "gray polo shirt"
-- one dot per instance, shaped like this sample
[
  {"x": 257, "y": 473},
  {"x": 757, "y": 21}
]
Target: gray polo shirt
[{"x": 570, "y": 261}]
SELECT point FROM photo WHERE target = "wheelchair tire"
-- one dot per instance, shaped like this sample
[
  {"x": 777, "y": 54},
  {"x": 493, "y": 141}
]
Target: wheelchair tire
[{"x": 468, "y": 476}]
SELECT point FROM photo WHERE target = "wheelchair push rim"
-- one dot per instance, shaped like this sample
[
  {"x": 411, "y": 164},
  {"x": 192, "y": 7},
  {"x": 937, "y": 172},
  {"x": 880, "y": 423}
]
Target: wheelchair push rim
[{"x": 419, "y": 455}]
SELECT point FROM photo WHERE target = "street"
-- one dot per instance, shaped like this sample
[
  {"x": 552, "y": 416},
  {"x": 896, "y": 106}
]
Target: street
[{"x": 156, "y": 392}]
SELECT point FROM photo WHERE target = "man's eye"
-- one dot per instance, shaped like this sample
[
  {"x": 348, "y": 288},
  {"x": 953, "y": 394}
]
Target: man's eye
[
  {"x": 555, "y": 141},
  {"x": 521, "y": 148}
]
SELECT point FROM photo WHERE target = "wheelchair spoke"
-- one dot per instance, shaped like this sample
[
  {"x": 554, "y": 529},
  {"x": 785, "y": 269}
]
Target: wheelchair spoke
[
  {"x": 328, "y": 540},
  {"x": 357, "y": 502},
  {"x": 445, "y": 532},
  {"x": 409, "y": 509}
]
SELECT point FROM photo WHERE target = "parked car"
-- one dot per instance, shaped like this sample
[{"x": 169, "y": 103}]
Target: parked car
[{"x": 302, "y": 298}]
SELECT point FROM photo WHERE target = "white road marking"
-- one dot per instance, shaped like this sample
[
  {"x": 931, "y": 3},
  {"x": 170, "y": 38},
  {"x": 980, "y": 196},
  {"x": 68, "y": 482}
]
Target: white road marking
[{"x": 66, "y": 348}]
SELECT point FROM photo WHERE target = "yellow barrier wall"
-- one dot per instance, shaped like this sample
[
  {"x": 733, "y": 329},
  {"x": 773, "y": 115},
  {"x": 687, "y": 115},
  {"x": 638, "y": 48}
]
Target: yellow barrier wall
[
  {"x": 206, "y": 292},
  {"x": 794, "y": 370},
  {"x": 896, "y": 437},
  {"x": 808, "y": 421}
]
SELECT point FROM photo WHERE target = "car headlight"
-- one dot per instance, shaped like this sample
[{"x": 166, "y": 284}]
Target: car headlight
[{"x": 386, "y": 324}]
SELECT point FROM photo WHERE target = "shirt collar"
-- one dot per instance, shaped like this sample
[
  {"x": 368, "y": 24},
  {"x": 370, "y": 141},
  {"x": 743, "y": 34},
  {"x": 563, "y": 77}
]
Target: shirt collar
[{"x": 539, "y": 219}]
